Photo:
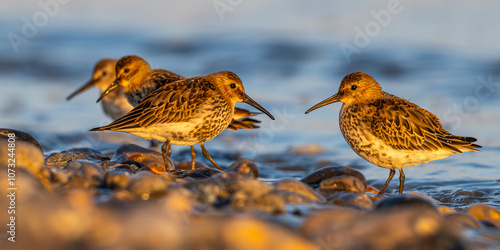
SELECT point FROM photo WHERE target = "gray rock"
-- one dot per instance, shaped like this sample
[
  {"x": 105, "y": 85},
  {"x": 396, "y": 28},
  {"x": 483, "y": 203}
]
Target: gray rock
[
  {"x": 147, "y": 157},
  {"x": 60, "y": 160},
  {"x": 345, "y": 183},
  {"x": 147, "y": 185},
  {"x": 298, "y": 187},
  {"x": 27, "y": 153},
  {"x": 314, "y": 178},
  {"x": 349, "y": 199},
  {"x": 117, "y": 179},
  {"x": 246, "y": 167}
]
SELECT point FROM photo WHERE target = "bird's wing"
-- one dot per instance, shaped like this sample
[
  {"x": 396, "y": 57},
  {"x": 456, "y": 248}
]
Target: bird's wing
[
  {"x": 405, "y": 126},
  {"x": 169, "y": 104}
]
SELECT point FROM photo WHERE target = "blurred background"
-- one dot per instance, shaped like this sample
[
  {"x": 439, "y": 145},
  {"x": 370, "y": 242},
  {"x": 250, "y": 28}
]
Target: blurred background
[{"x": 442, "y": 55}]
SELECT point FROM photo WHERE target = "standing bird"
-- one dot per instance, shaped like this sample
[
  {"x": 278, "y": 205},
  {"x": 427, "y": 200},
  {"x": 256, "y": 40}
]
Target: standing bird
[
  {"x": 389, "y": 131},
  {"x": 115, "y": 105},
  {"x": 138, "y": 80},
  {"x": 186, "y": 112}
]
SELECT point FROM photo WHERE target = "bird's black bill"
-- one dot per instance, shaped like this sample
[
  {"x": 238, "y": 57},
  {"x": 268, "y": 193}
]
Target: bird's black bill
[
  {"x": 329, "y": 100},
  {"x": 108, "y": 90},
  {"x": 86, "y": 86},
  {"x": 250, "y": 101}
]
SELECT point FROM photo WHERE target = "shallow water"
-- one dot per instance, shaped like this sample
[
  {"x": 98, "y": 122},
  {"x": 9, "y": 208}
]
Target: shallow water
[{"x": 286, "y": 70}]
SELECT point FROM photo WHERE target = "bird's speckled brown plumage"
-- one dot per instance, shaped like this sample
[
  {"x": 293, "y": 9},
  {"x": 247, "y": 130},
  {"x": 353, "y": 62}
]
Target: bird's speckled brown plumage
[
  {"x": 138, "y": 80},
  {"x": 186, "y": 112},
  {"x": 389, "y": 131}
]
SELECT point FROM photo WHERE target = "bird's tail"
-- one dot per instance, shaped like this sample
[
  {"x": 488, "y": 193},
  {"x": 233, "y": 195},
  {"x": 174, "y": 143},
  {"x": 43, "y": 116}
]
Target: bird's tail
[{"x": 460, "y": 144}]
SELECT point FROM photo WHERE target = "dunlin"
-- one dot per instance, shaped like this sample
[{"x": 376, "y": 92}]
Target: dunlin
[
  {"x": 115, "y": 105},
  {"x": 186, "y": 112},
  {"x": 138, "y": 80},
  {"x": 389, "y": 131}
]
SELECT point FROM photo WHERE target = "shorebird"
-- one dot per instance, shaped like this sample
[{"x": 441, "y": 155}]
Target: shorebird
[
  {"x": 114, "y": 105},
  {"x": 138, "y": 80},
  {"x": 389, "y": 131},
  {"x": 186, "y": 112}
]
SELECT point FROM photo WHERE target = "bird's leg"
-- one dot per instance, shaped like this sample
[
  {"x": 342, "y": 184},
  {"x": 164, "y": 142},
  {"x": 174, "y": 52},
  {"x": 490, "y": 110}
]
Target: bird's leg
[
  {"x": 391, "y": 174},
  {"x": 193, "y": 156},
  {"x": 205, "y": 153},
  {"x": 164, "y": 151},
  {"x": 401, "y": 181},
  {"x": 169, "y": 151}
]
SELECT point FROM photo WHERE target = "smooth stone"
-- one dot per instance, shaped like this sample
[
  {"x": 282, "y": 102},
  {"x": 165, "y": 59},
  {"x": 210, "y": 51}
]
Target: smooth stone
[
  {"x": 443, "y": 210},
  {"x": 90, "y": 154},
  {"x": 200, "y": 173},
  {"x": 298, "y": 187},
  {"x": 345, "y": 183},
  {"x": 243, "y": 232},
  {"x": 117, "y": 179},
  {"x": 463, "y": 221},
  {"x": 86, "y": 174},
  {"x": 485, "y": 213},
  {"x": 27, "y": 152},
  {"x": 60, "y": 160},
  {"x": 350, "y": 199},
  {"x": 293, "y": 198},
  {"x": 147, "y": 157},
  {"x": 146, "y": 185},
  {"x": 403, "y": 201},
  {"x": 29, "y": 187},
  {"x": 314, "y": 178},
  {"x": 179, "y": 200},
  {"x": 246, "y": 167},
  {"x": 328, "y": 220},
  {"x": 131, "y": 167},
  {"x": 415, "y": 227},
  {"x": 186, "y": 165},
  {"x": 252, "y": 233},
  {"x": 20, "y": 136},
  {"x": 240, "y": 193}
]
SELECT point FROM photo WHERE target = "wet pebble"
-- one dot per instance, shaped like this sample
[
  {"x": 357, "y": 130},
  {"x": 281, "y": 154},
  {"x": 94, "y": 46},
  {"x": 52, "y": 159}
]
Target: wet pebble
[
  {"x": 60, "y": 160},
  {"x": 409, "y": 227},
  {"x": 27, "y": 153},
  {"x": 246, "y": 167},
  {"x": 86, "y": 174},
  {"x": 146, "y": 185},
  {"x": 240, "y": 193},
  {"x": 350, "y": 199},
  {"x": 300, "y": 188},
  {"x": 147, "y": 157},
  {"x": 345, "y": 183},
  {"x": 462, "y": 221},
  {"x": 90, "y": 154},
  {"x": 291, "y": 198},
  {"x": 485, "y": 213},
  {"x": 403, "y": 201},
  {"x": 200, "y": 173},
  {"x": 319, "y": 175},
  {"x": 117, "y": 179},
  {"x": 186, "y": 165}
]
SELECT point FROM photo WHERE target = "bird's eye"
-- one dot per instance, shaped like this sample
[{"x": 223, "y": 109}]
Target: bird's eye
[
  {"x": 354, "y": 87},
  {"x": 104, "y": 73},
  {"x": 233, "y": 86},
  {"x": 126, "y": 70}
]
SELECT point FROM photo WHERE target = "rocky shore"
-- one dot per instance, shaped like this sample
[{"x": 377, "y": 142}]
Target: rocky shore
[{"x": 81, "y": 198}]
